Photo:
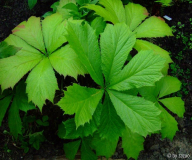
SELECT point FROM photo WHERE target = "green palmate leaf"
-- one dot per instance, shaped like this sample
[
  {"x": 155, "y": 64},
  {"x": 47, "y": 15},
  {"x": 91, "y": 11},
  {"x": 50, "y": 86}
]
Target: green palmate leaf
[
  {"x": 103, "y": 146},
  {"x": 31, "y": 3},
  {"x": 66, "y": 62},
  {"x": 111, "y": 125},
  {"x": 168, "y": 85},
  {"x": 132, "y": 143},
  {"x": 116, "y": 43},
  {"x": 30, "y": 32},
  {"x": 13, "y": 68},
  {"x": 41, "y": 83},
  {"x": 135, "y": 14},
  {"x": 175, "y": 105},
  {"x": 113, "y": 11},
  {"x": 83, "y": 40},
  {"x": 81, "y": 101},
  {"x": 53, "y": 31},
  {"x": 153, "y": 27},
  {"x": 86, "y": 152},
  {"x": 98, "y": 24},
  {"x": 14, "y": 119},
  {"x": 169, "y": 124},
  {"x": 4, "y": 104},
  {"x": 71, "y": 149},
  {"x": 138, "y": 114},
  {"x": 142, "y": 70},
  {"x": 7, "y": 50}
]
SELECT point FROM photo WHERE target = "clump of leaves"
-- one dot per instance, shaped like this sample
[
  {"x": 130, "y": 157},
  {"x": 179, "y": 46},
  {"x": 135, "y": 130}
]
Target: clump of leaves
[
  {"x": 103, "y": 115},
  {"x": 114, "y": 108},
  {"x": 70, "y": 8}
]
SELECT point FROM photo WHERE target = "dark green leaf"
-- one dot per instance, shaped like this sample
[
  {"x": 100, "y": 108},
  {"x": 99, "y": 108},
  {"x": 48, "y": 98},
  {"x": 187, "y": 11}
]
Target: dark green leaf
[
  {"x": 31, "y": 3},
  {"x": 86, "y": 152},
  {"x": 71, "y": 149},
  {"x": 7, "y": 50},
  {"x": 14, "y": 119},
  {"x": 4, "y": 104}
]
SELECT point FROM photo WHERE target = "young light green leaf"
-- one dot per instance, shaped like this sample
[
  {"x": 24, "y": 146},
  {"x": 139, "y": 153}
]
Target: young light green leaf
[
  {"x": 14, "y": 119},
  {"x": 112, "y": 10},
  {"x": 132, "y": 143},
  {"x": 111, "y": 126},
  {"x": 98, "y": 24},
  {"x": 83, "y": 40},
  {"x": 4, "y": 104},
  {"x": 41, "y": 83},
  {"x": 86, "y": 152},
  {"x": 71, "y": 149},
  {"x": 54, "y": 29},
  {"x": 116, "y": 43},
  {"x": 153, "y": 27},
  {"x": 168, "y": 85},
  {"x": 31, "y": 3},
  {"x": 175, "y": 105},
  {"x": 64, "y": 12},
  {"x": 30, "y": 31},
  {"x": 169, "y": 124},
  {"x": 142, "y": 70},
  {"x": 13, "y": 68},
  {"x": 135, "y": 14},
  {"x": 104, "y": 147},
  {"x": 81, "y": 101},
  {"x": 66, "y": 62},
  {"x": 138, "y": 114}
]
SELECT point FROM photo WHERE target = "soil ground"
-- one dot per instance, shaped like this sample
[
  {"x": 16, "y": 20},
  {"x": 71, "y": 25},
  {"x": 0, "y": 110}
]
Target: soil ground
[{"x": 13, "y": 12}]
